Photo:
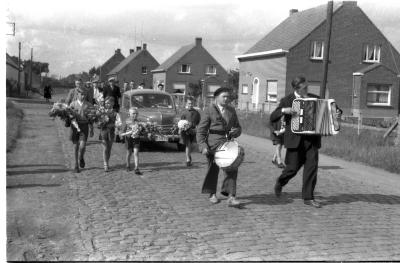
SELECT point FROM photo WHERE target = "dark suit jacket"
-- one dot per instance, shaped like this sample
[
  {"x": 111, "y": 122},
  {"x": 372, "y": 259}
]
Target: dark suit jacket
[
  {"x": 290, "y": 139},
  {"x": 212, "y": 120}
]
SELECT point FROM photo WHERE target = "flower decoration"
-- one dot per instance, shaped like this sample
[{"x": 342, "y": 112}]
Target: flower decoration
[{"x": 65, "y": 113}]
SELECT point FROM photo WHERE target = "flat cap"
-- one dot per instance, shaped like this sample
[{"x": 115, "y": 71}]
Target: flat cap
[{"x": 220, "y": 90}]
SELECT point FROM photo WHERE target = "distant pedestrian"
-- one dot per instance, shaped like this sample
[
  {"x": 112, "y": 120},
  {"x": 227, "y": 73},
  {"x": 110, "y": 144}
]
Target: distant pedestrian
[
  {"x": 131, "y": 85},
  {"x": 277, "y": 131},
  {"x": 141, "y": 86},
  {"x": 132, "y": 141},
  {"x": 81, "y": 106},
  {"x": 160, "y": 87},
  {"x": 47, "y": 91},
  {"x": 97, "y": 93},
  {"x": 107, "y": 129},
  {"x": 189, "y": 136},
  {"x": 126, "y": 87},
  {"x": 111, "y": 89}
]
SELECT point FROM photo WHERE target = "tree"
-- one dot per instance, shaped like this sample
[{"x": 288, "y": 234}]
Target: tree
[
  {"x": 194, "y": 90},
  {"x": 94, "y": 71},
  {"x": 233, "y": 82}
]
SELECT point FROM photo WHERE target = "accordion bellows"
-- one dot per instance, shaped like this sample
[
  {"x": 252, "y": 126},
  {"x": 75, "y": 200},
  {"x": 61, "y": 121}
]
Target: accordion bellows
[{"x": 314, "y": 116}]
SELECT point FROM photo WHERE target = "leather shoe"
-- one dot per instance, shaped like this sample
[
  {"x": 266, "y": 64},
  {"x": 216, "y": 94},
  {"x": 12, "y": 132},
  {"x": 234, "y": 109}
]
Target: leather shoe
[
  {"x": 76, "y": 169},
  {"x": 312, "y": 203},
  {"x": 213, "y": 199},
  {"x": 82, "y": 163},
  {"x": 138, "y": 172},
  {"x": 278, "y": 189}
]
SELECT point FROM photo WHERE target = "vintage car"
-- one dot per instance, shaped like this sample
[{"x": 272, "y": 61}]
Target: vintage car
[{"x": 156, "y": 108}]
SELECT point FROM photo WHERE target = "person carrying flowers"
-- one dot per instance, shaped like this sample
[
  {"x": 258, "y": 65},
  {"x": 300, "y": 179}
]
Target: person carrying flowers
[
  {"x": 79, "y": 135},
  {"x": 188, "y": 128},
  {"x": 132, "y": 129},
  {"x": 107, "y": 119}
]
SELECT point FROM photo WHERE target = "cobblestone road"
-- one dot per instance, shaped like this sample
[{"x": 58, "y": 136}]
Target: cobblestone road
[{"x": 163, "y": 216}]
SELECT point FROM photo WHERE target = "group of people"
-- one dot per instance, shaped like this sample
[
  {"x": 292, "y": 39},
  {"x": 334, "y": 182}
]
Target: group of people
[
  {"x": 218, "y": 124},
  {"x": 80, "y": 99}
]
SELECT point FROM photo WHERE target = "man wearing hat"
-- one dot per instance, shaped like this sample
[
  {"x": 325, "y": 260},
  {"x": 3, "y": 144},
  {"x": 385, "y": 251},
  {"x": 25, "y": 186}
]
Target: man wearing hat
[
  {"x": 114, "y": 91},
  {"x": 80, "y": 106},
  {"x": 218, "y": 124}
]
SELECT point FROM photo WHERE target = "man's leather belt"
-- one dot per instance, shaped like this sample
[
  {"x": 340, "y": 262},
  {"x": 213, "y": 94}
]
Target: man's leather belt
[{"x": 217, "y": 132}]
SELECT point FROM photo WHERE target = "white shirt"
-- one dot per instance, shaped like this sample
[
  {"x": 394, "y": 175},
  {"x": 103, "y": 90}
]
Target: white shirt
[{"x": 221, "y": 109}]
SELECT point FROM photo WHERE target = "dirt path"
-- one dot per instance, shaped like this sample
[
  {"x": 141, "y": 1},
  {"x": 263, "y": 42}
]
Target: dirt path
[{"x": 40, "y": 214}]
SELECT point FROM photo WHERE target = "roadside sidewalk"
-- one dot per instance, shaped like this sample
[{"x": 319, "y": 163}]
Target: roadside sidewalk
[{"x": 358, "y": 172}]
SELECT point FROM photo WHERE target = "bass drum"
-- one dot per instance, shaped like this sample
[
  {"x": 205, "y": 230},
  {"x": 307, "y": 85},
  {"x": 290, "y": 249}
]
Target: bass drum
[{"x": 229, "y": 155}]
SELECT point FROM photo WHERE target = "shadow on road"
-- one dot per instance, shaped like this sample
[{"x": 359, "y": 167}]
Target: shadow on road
[
  {"x": 369, "y": 198},
  {"x": 329, "y": 167},
  {"x": 38, "y": 171},
  {"x": 32, "y": 185},
  {"x": 33, "y": 165},
  {"x": 269, "y": 199}
]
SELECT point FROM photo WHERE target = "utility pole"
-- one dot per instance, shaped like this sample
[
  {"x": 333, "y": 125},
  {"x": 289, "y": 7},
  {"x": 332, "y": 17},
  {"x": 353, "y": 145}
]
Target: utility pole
[
  {"x": 30, "y": 75},
  {"x": 326, "y": 49},
  {"x": 19, "y": 68}
]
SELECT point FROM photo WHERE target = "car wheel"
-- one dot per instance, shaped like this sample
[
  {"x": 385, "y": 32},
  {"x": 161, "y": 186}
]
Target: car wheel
[{"x": 180, "y": 147}]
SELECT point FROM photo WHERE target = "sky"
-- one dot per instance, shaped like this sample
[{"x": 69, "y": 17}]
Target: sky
[{"x": 73, "y": 36}]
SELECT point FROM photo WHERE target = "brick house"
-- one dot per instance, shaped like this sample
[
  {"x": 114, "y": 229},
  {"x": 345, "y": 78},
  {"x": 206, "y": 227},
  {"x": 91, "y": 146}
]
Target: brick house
[
  {"x": 111, "y": 63},
  {"x": 137, "y": 67},
  {"x": 191, "y": 64},
  {"x": 363, "y": 71}
]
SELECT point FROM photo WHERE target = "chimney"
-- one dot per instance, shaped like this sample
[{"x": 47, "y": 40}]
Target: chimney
[
  {"x": 198, "y": 41},
  {"x": 293, "y": 11},
  {"x": 138, "y": 48},
  {"x": 118, "y": 51},
  {"x": 144, "y": 46},
  {"x": 131, "y": 51}
]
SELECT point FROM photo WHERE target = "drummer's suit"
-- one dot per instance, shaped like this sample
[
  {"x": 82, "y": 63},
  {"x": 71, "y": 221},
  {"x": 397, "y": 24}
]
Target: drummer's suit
[
  {"x": 211, "y": 133},
  {"x": 301, "y": 150}
]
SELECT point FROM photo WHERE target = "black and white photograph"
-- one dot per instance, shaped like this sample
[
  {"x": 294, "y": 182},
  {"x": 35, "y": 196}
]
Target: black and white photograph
[{"x": 205, "y": 130}]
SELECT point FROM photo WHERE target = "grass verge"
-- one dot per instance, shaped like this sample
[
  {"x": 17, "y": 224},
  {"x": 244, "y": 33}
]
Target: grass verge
[
  {"x": 369, "y": 147},
  {"x": 14, "y": 119}
]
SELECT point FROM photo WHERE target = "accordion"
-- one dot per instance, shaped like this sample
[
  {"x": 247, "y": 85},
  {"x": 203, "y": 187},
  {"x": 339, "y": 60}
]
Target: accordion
[{"x": 314, "y": 116}]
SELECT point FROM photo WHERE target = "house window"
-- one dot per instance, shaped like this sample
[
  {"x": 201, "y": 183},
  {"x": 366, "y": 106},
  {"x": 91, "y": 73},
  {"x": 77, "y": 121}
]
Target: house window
[
  {"x": 372, "y": 53},
  {"x": 378, "y": 94},
  {"x": 185, "y": 68},
  {"x": 317, "y": 50},
  {"x": 272, "y": 91},
  {"x": 211, "y": 70},
  {"x": 179, "y": 88},
  {"x": 144, "y": 70},
  {"x": 245, "y": 89}
]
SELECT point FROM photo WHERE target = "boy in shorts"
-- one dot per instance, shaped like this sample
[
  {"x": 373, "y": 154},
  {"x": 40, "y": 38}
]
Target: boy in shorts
[
  {"x": 132, "y": 142},
  {"x": 80, "y": 106}
]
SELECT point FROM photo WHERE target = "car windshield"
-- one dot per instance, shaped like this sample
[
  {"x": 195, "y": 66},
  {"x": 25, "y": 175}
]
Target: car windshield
[{"x": 151, "y": 101}]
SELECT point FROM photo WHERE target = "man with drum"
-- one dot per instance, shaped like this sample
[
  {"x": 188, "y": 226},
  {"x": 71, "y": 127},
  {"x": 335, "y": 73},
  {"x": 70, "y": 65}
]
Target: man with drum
[
  {"x": 218, "y": 124},
  {"x": 301, "y": 150}
]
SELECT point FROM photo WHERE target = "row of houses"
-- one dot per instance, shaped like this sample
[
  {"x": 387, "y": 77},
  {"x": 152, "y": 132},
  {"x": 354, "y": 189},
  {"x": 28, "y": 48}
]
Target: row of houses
[
  {"x": 191, "y": 64},
  {"x": 364, "y": 66}
]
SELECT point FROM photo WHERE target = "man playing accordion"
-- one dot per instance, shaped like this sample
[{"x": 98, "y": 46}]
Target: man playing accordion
[
  {"x": 302, "y": 149},
  {"x": 218, "y": 124}
]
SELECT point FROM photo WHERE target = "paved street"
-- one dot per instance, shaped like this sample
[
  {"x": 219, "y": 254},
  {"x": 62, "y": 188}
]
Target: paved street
[{"x": 163, "y": 216}]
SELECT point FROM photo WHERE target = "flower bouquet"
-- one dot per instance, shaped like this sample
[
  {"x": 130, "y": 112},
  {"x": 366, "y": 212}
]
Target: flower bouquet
[
  {"x": 184, "y": 126},
  {"x": 65, "y": 113},
  {"x": 134, "y": 130},
  {"x": 150, "y": 129},
  {"x": 102, "y": 116}
]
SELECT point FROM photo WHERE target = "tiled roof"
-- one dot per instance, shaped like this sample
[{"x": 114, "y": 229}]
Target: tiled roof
[
  {"x": 293, "y": 29},
  {"x": 125, "y": 62},
  {"x": 174, "y": 58},
  {"x": 11, "y": 61}
]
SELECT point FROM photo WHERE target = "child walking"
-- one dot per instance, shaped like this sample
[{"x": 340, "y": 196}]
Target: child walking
[
  {"x": 110, "y": 119},
  {"x": 188, "y": 137},
  {"x": 79, "y": 138},
  {"x": 132, "y": 140},
  {"x": 277, "y": 131}
]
